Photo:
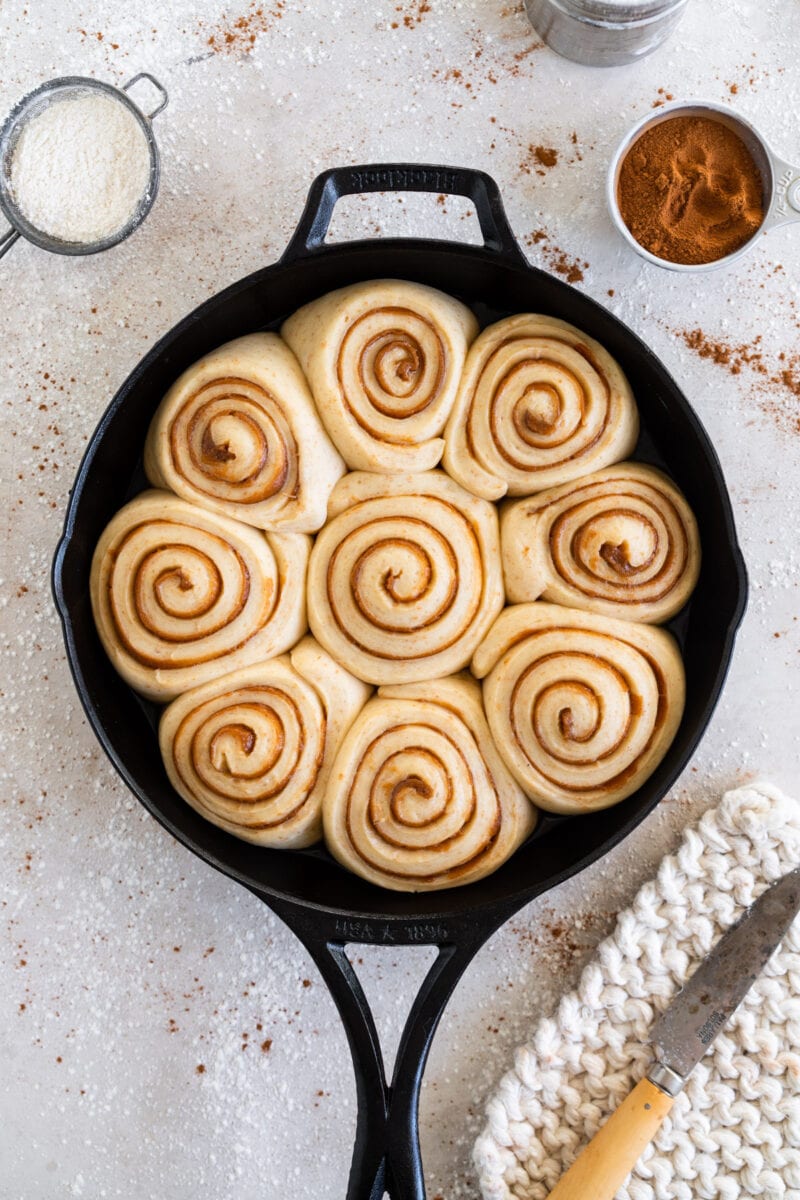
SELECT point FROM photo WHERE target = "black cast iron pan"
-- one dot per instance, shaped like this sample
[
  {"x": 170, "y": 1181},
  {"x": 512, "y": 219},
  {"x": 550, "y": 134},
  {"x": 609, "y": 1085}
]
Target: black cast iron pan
[{"x": 324, "y": 905}]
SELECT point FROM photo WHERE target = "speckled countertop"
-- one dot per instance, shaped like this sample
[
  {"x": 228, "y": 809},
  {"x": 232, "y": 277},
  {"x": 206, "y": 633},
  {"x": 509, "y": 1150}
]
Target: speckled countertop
[{"x": 161, "y": 1034}]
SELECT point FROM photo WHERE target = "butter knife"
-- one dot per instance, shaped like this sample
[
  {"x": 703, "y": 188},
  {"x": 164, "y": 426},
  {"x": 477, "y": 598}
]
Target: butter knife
[{"x": 680, "y": 1038}]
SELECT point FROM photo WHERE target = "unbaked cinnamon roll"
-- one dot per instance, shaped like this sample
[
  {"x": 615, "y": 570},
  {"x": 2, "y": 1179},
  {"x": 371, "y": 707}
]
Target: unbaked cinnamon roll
[
  {"x": 238, "y": 433},
  {"x": 383, "y": 359},
  {"x": 539, "y": 403},
  {"x": 181, "y": 595},
  {"x": 583, "y": 708},
  {"x": 418, "y": 798},
  {"x": 622, "y": 542},
  {"x": 252, "y": 751},
  {"x": 405, "y": 579}
]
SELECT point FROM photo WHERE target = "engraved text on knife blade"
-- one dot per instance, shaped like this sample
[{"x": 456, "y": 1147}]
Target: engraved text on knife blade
[{"x": 709, "y": 998}]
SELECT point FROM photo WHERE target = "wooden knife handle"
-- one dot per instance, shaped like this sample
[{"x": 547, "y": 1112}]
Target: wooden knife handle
[{"x": 600, "y": 1170}]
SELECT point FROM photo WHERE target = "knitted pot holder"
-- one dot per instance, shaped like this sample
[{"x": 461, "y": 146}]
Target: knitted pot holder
[{"x": 734, "y": 1131}]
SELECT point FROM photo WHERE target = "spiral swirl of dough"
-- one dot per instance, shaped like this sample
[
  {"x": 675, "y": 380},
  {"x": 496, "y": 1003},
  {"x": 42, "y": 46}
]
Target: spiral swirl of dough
[
  {"x": 582, "y": 707},
  {"x": 622, "y": 542},
  {"x": 405, "y": 578},
  {"x": 539, "y": 404},
  {"x": 251, "y": 751},
  {"x": 181, "y": 595},
  {"x": 418, "y": 798},
  {"x": 238, "y": 433},
  {"x": 383, "y": 359}
]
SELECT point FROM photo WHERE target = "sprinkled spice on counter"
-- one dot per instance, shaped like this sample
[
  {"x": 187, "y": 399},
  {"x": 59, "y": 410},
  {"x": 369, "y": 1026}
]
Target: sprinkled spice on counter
[
  {"x": 546, "y": 155},
  {"x": 689, "y": 190},
  {"x": 412, "y": 14},
  {"x": 557, "y": 259},
  {"x": 539, "y": 159},
  {"x": 776, "y": 378},
  {"x": 238, "y": 35}
]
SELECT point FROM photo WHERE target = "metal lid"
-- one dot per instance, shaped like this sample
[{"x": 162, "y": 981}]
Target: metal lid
[{"x": 618, "y": 12}]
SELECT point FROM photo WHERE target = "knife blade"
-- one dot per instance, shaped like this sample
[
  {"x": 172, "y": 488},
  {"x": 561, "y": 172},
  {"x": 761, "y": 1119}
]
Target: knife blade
[
  {"x": 709, "y": 998},
  {"x": 680, "y": 1038}
]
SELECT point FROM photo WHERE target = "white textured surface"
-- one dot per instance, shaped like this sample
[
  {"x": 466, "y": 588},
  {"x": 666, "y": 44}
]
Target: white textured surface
[
  {"x": 734, "y": 1131},
  {"x": 102, "y": 1022}
]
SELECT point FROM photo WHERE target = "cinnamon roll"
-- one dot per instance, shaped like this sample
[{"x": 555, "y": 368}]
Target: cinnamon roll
[
  {"x": 418, "y": 798},
  {"x": 238, "y": 434},
  {"x": 583, "y": 708},
  {"x": 622, "y": 542},
  {"x": 405, "y": 579},
  {"x": 383, "y": 359},
  {"x": 252, "y": 751},
  {"x": 539, "y": 403},
  {"x": 181, "y": 595}
]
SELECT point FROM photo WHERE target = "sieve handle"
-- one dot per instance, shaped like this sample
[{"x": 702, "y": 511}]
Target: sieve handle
[
  {"x": 162, "y": 91},
  {"x": 7, "y": 240}
]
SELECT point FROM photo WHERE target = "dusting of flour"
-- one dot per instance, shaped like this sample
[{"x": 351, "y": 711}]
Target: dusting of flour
[{"x": 81, "y": 168}]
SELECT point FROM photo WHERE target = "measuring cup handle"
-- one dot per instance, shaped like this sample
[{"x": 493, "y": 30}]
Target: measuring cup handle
[
  {"x": 7, "y": 240},
  {"x": 162, "y": 91},
  {"x": 785, "y": 203}
]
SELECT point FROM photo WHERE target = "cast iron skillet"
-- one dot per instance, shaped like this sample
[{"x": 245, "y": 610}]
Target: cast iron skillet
[{"x": 324, "y": 905}]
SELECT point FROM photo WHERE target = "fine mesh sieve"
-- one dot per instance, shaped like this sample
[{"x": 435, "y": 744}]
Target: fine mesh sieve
[{"x": 30, "y": 106}]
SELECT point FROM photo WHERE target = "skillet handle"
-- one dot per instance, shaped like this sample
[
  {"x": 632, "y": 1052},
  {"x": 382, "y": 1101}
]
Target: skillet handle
[
  {"x": 330, "y": 186},
  {"x": 386, "y": 1155}
]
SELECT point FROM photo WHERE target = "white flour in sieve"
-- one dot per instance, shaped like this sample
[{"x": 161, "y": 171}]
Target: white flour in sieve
[{"x": 80, "y": 168}]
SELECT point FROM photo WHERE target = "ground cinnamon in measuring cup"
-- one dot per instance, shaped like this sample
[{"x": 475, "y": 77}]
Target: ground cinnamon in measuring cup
[{"x": 690, "y": 191}]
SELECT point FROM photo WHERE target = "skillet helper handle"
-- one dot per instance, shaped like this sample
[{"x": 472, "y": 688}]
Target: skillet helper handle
[
  {"x": 386, "y": 1154},
  {"x": 330, "y": 186},
  {"x": 602, "y": 1167}
]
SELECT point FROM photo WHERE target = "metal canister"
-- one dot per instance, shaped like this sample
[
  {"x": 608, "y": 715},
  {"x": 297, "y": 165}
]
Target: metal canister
[{"x": 604, "y": 33}]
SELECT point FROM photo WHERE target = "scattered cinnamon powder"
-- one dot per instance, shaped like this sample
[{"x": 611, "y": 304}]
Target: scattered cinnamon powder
[
  {"x": 487, "y": 62},
  {"x": 689, "y": 190},
  {"x": 456, "y": 75},
  {"x": 777, "y": 380},
  {"x": 750, "y": 76},
  {"x": 99, "y": 36},
  {"x": 561, "y": 944},
  {"x": 547, "y": 156},
  {"x": 539, "y": 159},
  {"x": 577, "y": 156},
  {"x": 725, "y": 355},
  {"x": 236, "y": 35},
  {"x": 557, "y": 259},
  {"x": 412, "y": 14},
  {"x": 521, "y": 56}
]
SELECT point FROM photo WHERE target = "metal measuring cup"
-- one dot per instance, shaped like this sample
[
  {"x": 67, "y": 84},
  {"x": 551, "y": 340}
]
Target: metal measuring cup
[
  {"x": 780, "y": 180},
  {"x": 58, "y": 90}
]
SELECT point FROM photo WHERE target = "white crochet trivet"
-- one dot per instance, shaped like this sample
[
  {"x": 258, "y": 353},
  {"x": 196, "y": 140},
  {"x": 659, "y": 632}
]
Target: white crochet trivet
[{"x": 734, "y": 1132}]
